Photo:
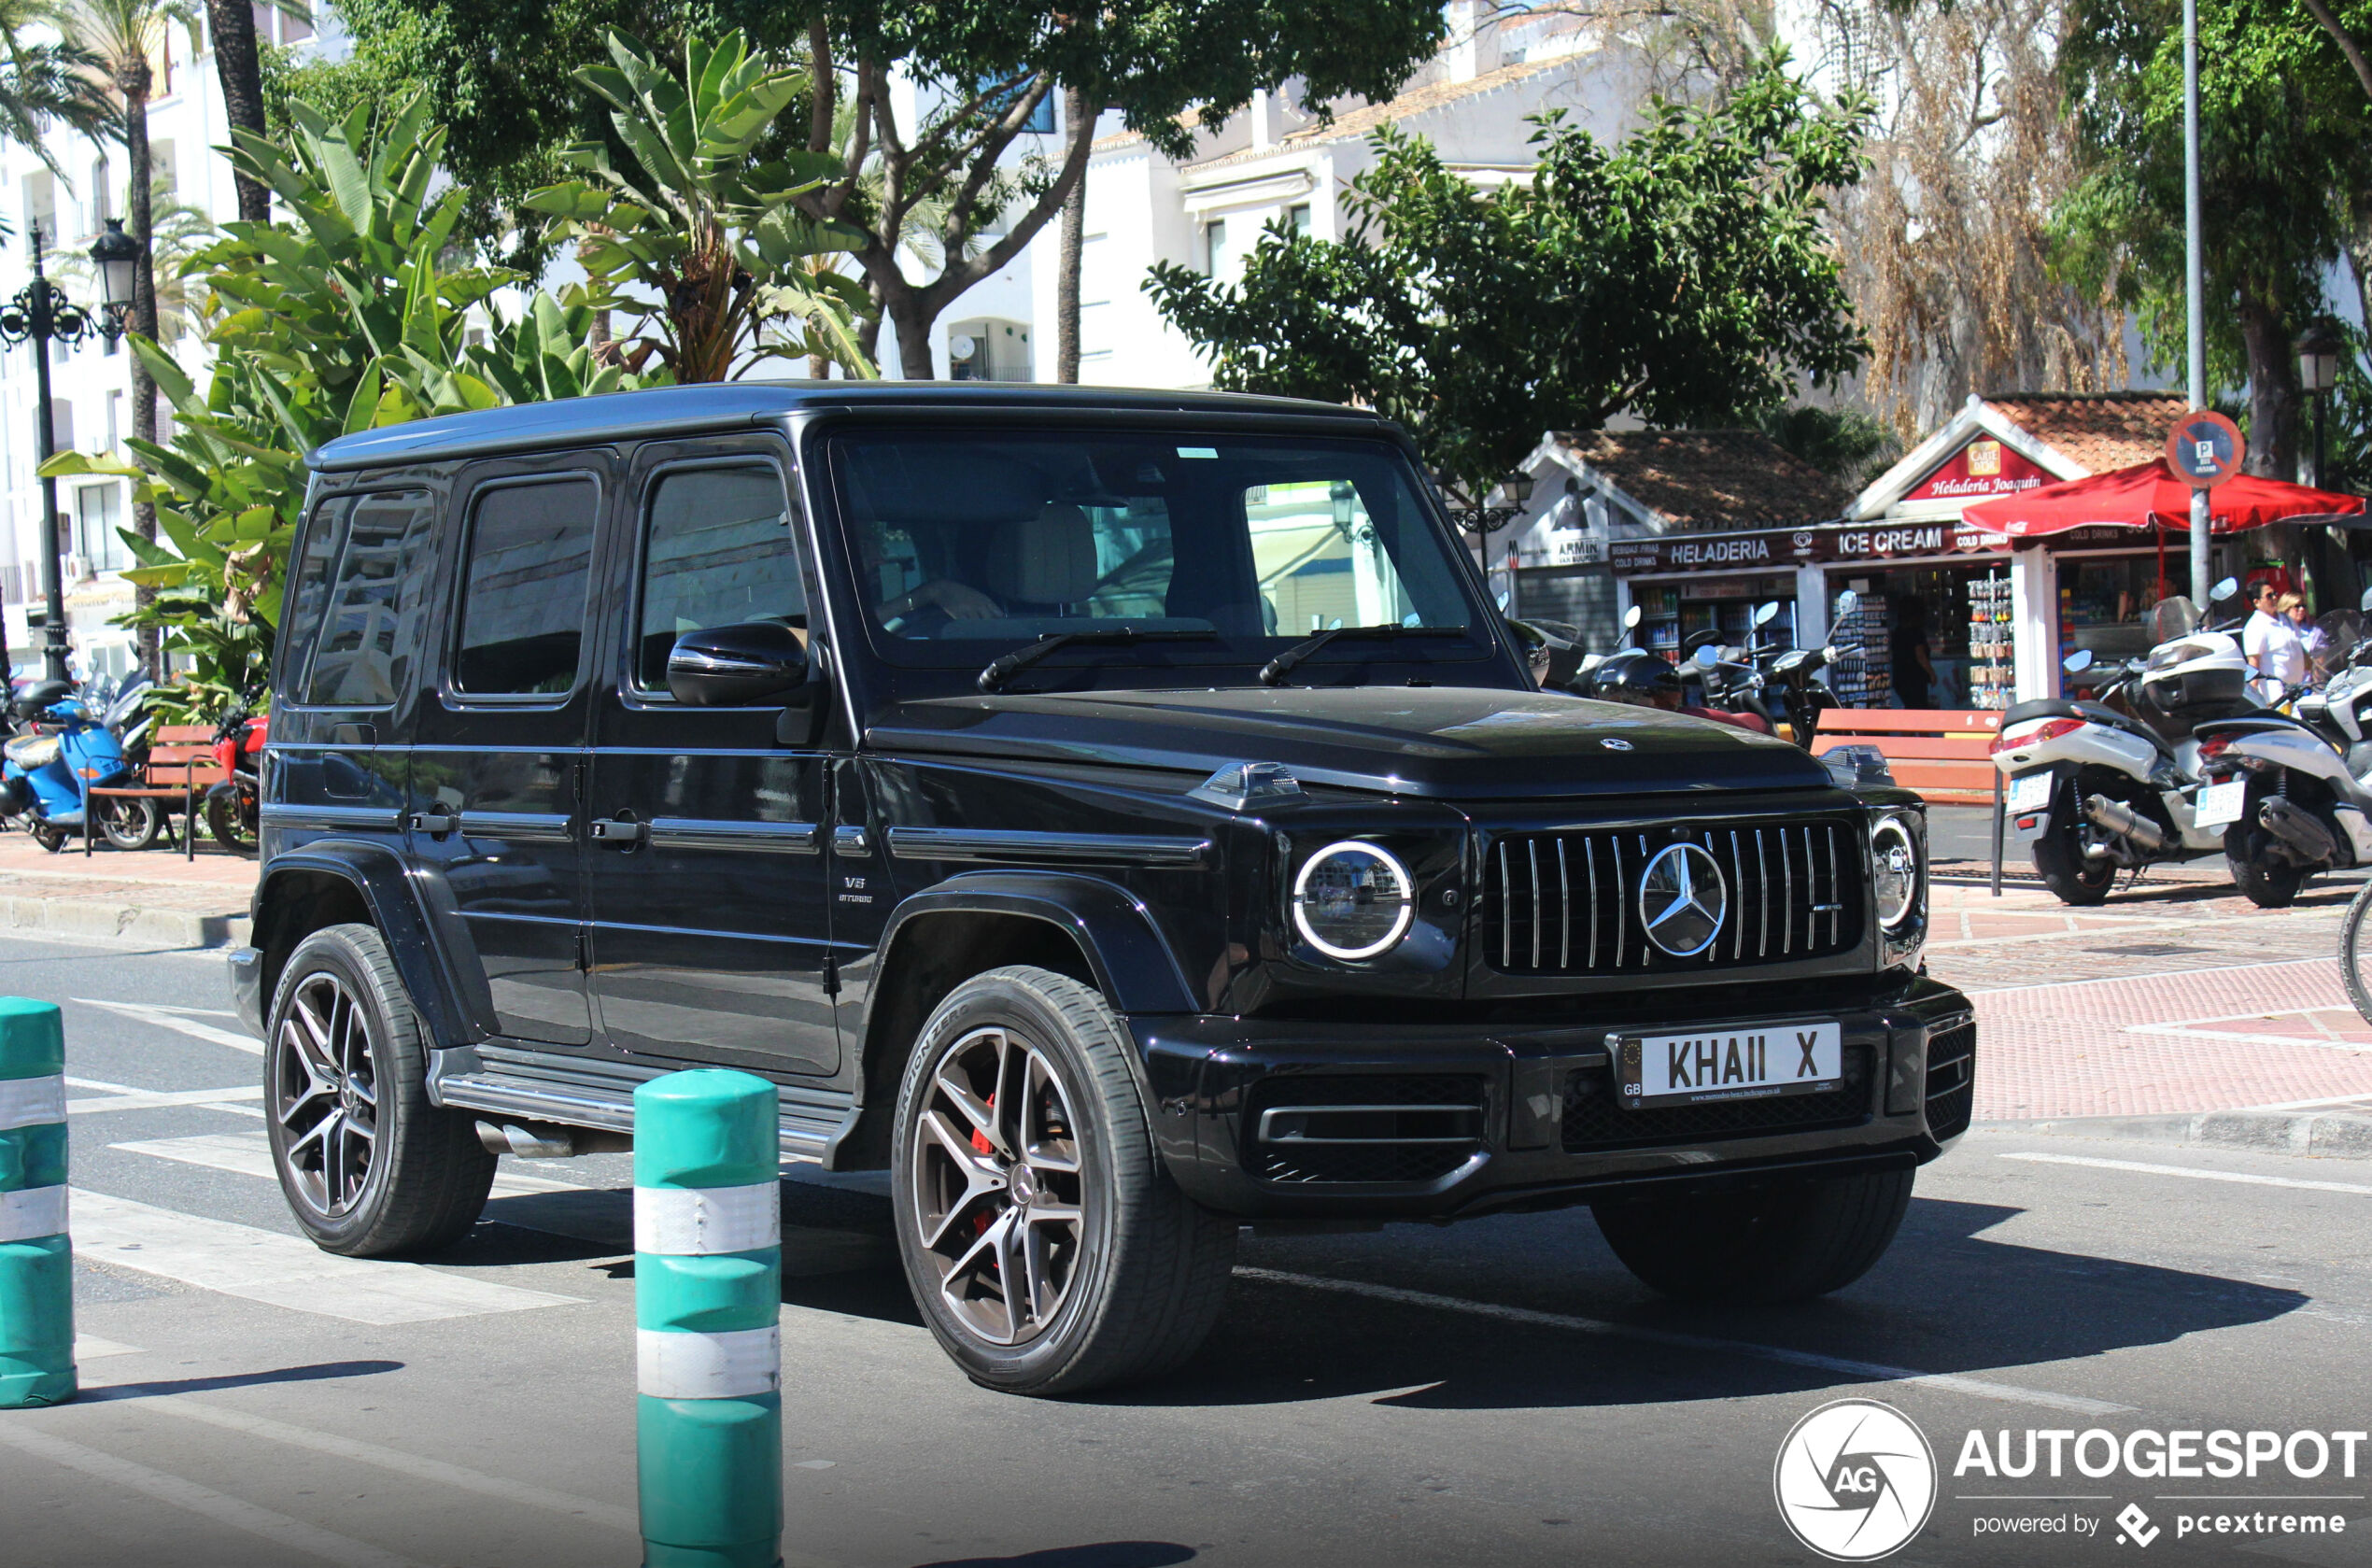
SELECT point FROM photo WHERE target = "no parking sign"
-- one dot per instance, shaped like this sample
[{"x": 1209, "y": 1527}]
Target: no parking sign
[{"x": 2205, "y": 449}]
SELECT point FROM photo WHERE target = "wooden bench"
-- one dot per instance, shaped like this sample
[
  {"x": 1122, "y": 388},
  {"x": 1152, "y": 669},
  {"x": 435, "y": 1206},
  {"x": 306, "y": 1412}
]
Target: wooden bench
[
  {"x": 180, "y": 767},
  {"x": 1938, "y": 752}
]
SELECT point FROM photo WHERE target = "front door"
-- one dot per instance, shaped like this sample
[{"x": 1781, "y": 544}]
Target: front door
[
  {"x": 706, "y": 872},
  {"x": 495, "y": 813}
]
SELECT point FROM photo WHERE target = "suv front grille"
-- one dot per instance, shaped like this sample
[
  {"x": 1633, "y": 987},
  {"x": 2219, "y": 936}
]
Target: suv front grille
[
  {"x": 1952, "y": 1079},
  {"x": 1595, "y": 1120},
  {"x": 1363, "y": 1128},
  {"x": 1568, "y": 903}
]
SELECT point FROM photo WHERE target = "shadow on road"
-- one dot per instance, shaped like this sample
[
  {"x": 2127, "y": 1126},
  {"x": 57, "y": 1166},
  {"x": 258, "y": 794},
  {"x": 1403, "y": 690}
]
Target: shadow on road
[
  {"x": 1103, "y": 1554},
  {"x": 319, "y": 1372}
]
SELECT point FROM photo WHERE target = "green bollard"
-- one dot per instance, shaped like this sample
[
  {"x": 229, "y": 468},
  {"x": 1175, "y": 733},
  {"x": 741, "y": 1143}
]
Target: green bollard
[
  {"x": 36, "y": 1262},
  {"x": 708, "y": 1299}
]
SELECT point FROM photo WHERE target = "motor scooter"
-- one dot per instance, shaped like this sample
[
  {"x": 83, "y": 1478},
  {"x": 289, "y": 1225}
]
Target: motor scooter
[
  {"x": 1646, "y": 679},
  {"x": 65, "y": 751},
  {"x": 2292, "y": 793},
  {"x": 231, "y": 806},
  {"x": 2095, "y": 787}
]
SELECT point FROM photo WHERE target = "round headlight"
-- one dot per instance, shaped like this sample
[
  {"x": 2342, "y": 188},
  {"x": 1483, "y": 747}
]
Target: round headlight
[
  {"x": 1895, "y": 860},
  {"x": 1353, "y": 900}
]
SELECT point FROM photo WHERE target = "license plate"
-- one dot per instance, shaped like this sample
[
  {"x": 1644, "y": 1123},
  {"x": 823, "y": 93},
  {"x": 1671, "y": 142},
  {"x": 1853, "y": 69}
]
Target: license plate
[
  {"x": 1748, "y": 1062},
  {"x": 2030, "y": 792},
  {"x": 2219, "y": 803}
]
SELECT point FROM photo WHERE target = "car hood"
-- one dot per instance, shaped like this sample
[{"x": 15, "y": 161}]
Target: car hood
[{"x": 1442, "y": 741}]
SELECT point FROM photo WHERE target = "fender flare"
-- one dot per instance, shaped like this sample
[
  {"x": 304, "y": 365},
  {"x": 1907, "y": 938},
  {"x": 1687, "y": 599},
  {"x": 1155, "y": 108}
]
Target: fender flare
[
  {"x": 1130, "y": 959},
  {"x": 398, "y": 898}
]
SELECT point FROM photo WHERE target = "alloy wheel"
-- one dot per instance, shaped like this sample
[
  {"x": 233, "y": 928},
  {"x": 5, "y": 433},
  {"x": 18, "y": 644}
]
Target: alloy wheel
[
  {"x": 325, "y": 1094},
  {"x": 999, "y": 1192}
]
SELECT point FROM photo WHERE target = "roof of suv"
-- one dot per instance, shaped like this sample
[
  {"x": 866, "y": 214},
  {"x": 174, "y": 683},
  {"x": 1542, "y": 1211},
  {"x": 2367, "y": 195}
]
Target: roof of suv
[{"x": 682, "y": 410}]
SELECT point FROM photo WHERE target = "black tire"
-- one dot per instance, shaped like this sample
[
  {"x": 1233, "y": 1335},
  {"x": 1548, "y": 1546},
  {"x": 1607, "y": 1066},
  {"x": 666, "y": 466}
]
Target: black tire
[
  {"x": 424, "y": 1175},
  {"x": 1146, "y": 1269},
  {"x": 133, "y": 824},
  {"x": 1787, "y": 1242},
  {"x": 2060, "y": 857},
  {"x": 2270, "y": 884},
  {"x": 48, "y": 837},
  {"x": 229, "y": 825},
  {"x": 2353, "y": 955}
]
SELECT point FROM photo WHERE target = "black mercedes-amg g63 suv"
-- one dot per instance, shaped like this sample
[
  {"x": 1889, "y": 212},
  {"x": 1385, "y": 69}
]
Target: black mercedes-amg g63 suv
[{"x": 1121, "y": 815}]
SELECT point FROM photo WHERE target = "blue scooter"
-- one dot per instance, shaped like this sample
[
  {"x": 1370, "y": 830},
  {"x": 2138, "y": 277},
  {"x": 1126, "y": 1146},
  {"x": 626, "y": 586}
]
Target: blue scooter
[{"x": 65, "y": 750}]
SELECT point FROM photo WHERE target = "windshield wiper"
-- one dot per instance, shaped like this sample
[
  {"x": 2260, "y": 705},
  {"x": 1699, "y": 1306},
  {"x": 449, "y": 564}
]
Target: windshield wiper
[
  {"x": 1029, "y": 654},
  {"x": 1273, "y": 673}
]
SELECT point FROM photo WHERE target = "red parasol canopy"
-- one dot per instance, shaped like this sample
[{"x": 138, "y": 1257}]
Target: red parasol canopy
[{"x": 2149, "y": 493}]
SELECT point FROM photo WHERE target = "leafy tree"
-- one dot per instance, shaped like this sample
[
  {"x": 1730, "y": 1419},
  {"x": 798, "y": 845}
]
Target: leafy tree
[
  {"x": 1846, "y": 443},
  {"x": 40, "y": 81},
  {"x": 1681, "y": 276},
  {"x": 691, "y": 214}
]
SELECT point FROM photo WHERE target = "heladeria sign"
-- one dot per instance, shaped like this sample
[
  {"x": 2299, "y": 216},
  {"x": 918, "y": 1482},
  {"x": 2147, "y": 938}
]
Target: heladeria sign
[{"x": 1779, "y": 548}]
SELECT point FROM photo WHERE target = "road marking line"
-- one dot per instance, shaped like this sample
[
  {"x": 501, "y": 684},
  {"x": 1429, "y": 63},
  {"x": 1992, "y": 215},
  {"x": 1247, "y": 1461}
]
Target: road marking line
[
  {"x": 240, "y": 1514},
  {"x": 250, "y": 1154},
  {"x": 151, "y": 1099},
  {"x": 172, "y": 1018},
  {"x": 283, "y": 1270},
  {"x": 2196, "y": 1174},
  {"x": 1947, "y": 1382},
  {"x": 414, "y": 1465}
]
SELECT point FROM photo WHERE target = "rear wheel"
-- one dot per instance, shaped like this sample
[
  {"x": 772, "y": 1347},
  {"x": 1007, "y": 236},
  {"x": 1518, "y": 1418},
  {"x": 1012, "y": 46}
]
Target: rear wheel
[
  {"x": 2270, "y": 884},
  {"x": 48, "y": 837},
  {"x": 131, "y": 823},
  {"x": 228, "y": 823},
  {"x": 1787, "y": 1242},
  {"x": 1049, "y": 1251},
  {"x": 370, "y": 1167},
  {"x": 2066, "y": 869}
]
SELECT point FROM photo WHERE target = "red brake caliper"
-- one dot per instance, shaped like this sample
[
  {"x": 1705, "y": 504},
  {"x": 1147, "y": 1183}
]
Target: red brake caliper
[{"x": 980, "y": 1141}]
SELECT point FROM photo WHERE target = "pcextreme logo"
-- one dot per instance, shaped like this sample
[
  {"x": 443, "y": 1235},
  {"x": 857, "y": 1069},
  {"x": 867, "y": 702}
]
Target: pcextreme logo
[{"x": 1855, "y": 1480}]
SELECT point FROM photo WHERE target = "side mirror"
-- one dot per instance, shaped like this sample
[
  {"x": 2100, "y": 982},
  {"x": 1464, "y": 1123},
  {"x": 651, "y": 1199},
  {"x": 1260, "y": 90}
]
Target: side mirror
[
  {"x": 1708, "y": 655},
  {"x": 1847, "y": 602},
  {"x": 2077, "y": 662},
  {"x": 1632, "y": 617},
  {"x": 2365, "y": 605},
  {"x": 736, "y": 666},
  {"x": 2223, "y": 590},
  {"x": 1767, "y": 613}
]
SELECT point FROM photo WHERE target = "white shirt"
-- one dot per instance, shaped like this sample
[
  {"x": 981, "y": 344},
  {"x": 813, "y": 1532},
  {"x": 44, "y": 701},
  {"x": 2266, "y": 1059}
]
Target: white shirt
[{"x": 2274, "y": 646}]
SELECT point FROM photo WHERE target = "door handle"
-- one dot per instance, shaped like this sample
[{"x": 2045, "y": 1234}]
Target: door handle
[
  {"x": 620, "y": 832},
  {"x": 436, "y": 824},
  {"x": 851, "y": 840}
]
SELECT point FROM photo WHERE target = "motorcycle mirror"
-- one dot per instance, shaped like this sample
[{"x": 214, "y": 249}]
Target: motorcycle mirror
[
  {"x": 1767, "y": 613},
  {"x": 2223, "y": 590},
  {"x": 1632, "y": 617},
  {"x": 2077, "y": 662},
  {"x": 1847, "y": 602},
  {"x": 2366, "y": 605},
  {"x": 1708, "y": 655}
]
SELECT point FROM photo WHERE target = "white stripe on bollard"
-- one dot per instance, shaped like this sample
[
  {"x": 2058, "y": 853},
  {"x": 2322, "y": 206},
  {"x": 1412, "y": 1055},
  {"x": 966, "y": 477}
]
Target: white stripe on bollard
[
  {"x": 734, "y": 1366},
  {"x": 33, "y": 1213},
  {"x": 32, "y": 1102},
  {"x": 703, "y": 1222}
]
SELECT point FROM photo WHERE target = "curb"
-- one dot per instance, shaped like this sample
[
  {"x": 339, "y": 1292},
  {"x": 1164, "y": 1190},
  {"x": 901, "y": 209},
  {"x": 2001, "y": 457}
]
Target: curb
[
  {"x": 2328, "y": 1135},
  {"x": 99, "y": 920}
]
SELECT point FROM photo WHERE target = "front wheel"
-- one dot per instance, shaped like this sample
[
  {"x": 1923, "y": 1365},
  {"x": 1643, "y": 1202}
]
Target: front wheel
[
  {"x": 370, "y": 1167},
  {"x": 48, "y": 837},
  {"x": 1789, "y": 1241},
  {"x": 2065, "y": 868},
  {"x": 2352, "y": 957},
  {"x": 1049, "y": 1251},
  {"x": 227, "y": 820},
  {"x": 132, "y": 823}
]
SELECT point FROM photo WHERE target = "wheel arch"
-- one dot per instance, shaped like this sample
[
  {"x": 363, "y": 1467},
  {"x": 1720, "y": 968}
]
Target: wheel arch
[
  {"x": 1094, "y": 931},
  {"x": 331, "y": 883}
]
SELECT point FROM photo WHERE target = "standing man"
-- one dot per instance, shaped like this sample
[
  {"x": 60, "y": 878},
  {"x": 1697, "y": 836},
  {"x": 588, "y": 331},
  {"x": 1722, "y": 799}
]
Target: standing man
[{"x": 2272, "y": 643}]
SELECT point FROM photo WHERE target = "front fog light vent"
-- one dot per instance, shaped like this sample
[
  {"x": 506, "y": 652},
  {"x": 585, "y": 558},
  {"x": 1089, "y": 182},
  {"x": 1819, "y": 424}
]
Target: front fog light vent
[{"x": 1353, "y": 900}]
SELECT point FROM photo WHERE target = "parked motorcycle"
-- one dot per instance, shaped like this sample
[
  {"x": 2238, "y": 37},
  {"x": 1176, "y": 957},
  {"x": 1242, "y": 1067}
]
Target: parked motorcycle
[
  {"x": 1646, "y": 679},
  {"x": 232, "y": 807},
  {"x": 1748, "y": 678},
  {"x": 2291, "y": 792},
  {"x": 63, "y": 750},
  {"x": 2096, "y": 785}
]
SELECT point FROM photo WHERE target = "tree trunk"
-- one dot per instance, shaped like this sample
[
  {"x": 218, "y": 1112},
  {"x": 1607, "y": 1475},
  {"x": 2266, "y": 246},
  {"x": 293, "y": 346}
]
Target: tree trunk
[
  {"x": 913, "y": 321},
  {"x": 1074, "y": 247},
  {"x": 2273, "y": 389},
  {"x": 232, "y": 22},
  {"x": 135, "y": 85}
]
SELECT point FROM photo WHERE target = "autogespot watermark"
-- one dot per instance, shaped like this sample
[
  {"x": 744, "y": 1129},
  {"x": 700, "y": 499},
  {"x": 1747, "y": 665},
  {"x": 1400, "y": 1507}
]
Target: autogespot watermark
[{"x": 1856, "y": 1481}]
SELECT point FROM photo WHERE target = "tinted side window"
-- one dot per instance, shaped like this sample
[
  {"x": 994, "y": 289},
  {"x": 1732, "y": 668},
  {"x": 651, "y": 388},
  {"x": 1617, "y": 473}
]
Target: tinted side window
[
  {"x": 531, "y": 554},
  {"x": 308, "y": 590},
  {"x": 718, "y": 549},
  {"x": 377, "y": 598}
]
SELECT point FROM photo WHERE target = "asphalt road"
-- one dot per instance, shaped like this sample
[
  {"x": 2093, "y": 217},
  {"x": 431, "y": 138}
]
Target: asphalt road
[{"x": 1497, "y": 1392}]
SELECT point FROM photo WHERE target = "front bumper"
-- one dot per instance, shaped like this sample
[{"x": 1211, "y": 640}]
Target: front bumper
[
  {"x": 247, "y": 986},
  {"x": 1450, "y": 1121}
]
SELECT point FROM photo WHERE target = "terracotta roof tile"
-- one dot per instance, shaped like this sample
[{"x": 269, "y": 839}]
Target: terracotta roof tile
[
  {"x": 1711, "y": 479},
  {"x": 2102, "y": 431}
]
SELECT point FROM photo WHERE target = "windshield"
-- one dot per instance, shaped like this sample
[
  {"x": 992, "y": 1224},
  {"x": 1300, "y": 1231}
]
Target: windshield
[{"x": 969, "y": 544}]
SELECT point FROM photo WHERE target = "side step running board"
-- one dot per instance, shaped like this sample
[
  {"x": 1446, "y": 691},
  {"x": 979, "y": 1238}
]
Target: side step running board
[{"x": 809, "y": 1123}]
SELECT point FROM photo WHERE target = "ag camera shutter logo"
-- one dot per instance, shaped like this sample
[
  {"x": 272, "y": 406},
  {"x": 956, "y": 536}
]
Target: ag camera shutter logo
[{"x": 1855, "y": 1481}]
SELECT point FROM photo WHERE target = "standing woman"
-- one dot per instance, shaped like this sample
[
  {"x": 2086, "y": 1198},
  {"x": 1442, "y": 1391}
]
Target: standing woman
[{"x": 2272, "y": 645}]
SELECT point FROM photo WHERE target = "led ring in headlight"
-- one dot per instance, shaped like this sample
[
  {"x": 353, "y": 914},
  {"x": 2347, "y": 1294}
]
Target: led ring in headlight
[
  {"x": 1894, "y": 864},
  {"x": 1353, "y": 900}
]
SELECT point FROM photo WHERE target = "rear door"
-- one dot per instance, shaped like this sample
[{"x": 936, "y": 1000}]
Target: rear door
[
  {"x": 709, "y": 917},
  {"x": 496, "y": 780}
]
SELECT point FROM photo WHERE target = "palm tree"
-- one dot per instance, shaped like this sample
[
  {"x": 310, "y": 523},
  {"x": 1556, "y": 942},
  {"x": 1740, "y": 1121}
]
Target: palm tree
[
  {"x": 124, "y": 38},
  {"x": 43, "y": 80}
]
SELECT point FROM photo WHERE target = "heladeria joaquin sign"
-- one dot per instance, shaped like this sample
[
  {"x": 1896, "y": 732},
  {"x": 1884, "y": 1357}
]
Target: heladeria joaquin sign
[
  {"x": 1979, "y": 470},
  {"x": 1779, "y": 549}
]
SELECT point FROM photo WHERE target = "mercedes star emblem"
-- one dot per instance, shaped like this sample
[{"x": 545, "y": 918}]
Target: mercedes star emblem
[{"x": 1682, "y": 899}]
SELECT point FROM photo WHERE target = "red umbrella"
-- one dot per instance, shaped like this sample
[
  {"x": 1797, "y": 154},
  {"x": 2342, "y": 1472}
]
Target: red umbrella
[{"x": 2149, "y": 493}]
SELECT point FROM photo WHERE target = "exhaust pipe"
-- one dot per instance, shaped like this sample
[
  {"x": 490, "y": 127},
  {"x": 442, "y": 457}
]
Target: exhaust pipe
[
  {"x": 2299, "y": 835},
  {"x": 2125, "y": 822},
  {"x": 547, "y": 1140}
]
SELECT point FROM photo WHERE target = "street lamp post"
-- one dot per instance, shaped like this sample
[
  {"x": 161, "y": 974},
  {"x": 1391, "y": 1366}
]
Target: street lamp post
[
  {"x": 40, "y": 314},
  {"x": 1481, "y": 521},
  {"x": 2318, "y": 349}
]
